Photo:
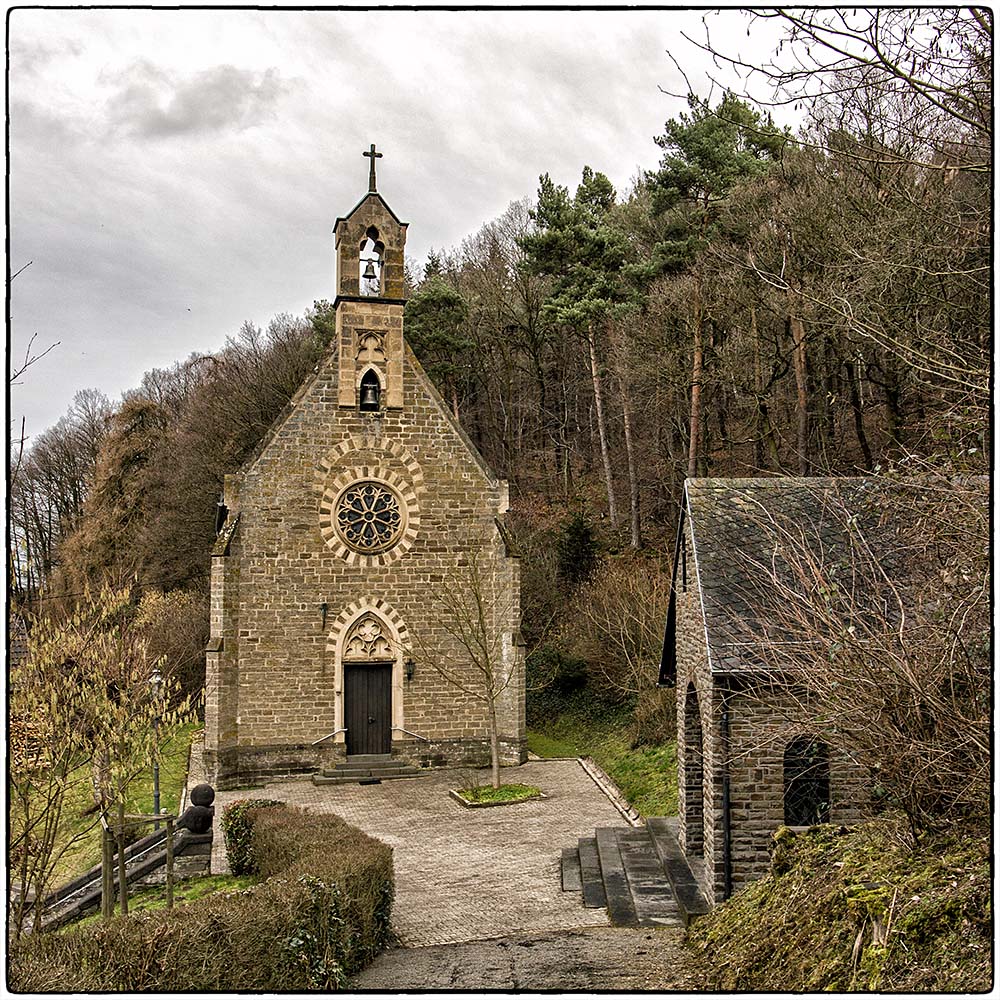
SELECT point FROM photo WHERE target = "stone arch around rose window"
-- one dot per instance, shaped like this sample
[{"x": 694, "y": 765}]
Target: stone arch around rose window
[
  {"x": 390, "y": 467},
  {"x": 393, "y": 643}
]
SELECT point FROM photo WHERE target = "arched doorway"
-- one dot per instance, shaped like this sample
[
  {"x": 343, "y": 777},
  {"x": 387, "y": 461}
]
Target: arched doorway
[{"x": 368, "y": 662}]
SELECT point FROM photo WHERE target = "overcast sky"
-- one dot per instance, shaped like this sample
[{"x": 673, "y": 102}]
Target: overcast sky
[{"x": 174, "y": 173}]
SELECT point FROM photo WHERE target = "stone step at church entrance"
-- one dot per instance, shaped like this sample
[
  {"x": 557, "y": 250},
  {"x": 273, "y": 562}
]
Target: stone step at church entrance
[
  {"x": 367, "y": 768},
  {"x": 638, "y": 873}
]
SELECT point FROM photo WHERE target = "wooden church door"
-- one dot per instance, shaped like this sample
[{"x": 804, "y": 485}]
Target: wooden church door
[{"x": 368, "y": 707}]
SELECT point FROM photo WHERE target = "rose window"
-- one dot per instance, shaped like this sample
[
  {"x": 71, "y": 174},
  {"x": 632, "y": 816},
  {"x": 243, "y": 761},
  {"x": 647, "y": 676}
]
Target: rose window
[{"x": 368, "y": 517}]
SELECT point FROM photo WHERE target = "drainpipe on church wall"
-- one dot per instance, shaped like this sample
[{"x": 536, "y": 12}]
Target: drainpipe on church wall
[{"x": 727, "y": 860}]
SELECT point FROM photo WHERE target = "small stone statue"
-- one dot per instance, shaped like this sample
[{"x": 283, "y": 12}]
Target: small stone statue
[{"x": 198, "y": 816}]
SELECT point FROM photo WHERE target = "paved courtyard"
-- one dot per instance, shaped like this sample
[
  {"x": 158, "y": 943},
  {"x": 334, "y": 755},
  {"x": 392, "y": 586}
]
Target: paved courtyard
[{"x": 465, "y": 874}]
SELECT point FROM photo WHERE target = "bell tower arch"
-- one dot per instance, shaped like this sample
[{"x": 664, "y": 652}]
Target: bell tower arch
[{"x": 370, "y": 242}]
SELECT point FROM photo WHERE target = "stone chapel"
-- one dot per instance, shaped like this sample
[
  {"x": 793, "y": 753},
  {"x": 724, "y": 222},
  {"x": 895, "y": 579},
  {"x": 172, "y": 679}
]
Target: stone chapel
[
  {"x": 342, "y": 543},
  {"x": 745, "y": 765}
]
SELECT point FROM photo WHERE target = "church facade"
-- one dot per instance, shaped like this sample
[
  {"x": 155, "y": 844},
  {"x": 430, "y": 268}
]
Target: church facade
[{"x": 351, "y": 545}]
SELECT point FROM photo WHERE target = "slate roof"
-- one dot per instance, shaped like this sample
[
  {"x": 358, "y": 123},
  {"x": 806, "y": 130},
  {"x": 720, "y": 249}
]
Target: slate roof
[{"x": 744, "y": 531}]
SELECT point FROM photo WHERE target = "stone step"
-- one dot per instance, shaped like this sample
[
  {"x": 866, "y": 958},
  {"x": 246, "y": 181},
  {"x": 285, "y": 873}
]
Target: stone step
[
  {"x": 621, "y": 909},
  {"x": 570, "y": 867},
  {"x": 691, "y": 902},
  {"x": 368, "y": 772},
  {"x": 368, "y": 759},
  {"x": 652, "y": 895},
  {"x": 373, "y": 760},
  {"x": 358, "y": 775},
  {"x": 591, "y": 882}
]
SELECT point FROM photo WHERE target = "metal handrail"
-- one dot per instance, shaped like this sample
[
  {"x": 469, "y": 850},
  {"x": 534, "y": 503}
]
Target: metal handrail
[
  {"x": 416, "y": 736},
  {"x": 322, "y": 739}
]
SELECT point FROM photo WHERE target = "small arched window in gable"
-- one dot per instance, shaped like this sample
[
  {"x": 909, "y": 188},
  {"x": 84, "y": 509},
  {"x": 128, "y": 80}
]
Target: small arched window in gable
[
  {"x": 370, "y": 392},
  {"x": 370, "y": 263},
  {"x": 807, "y": 782}
]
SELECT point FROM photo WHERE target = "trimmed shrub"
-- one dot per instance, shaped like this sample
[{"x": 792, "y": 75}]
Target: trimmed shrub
[
  {"x": 321, "y": 913},
  {"x": 238, "y": 830}
]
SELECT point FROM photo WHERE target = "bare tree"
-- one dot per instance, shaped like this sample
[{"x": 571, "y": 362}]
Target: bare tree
[
  {"x": 476, "y": 649},
  {"x": 618, "y": 617},
  {"x": 873, "y": 617}
]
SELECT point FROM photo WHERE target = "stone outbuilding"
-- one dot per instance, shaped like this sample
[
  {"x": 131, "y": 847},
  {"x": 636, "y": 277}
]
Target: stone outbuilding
[
  {"x": 347, "y": 545},
  {"x": 746, "y": 762}
]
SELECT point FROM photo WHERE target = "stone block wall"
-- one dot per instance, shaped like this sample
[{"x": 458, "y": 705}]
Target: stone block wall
[
  {"x": 370, "y": 337},
  {"x": 760, "y": 730},
  {"x": 290, "y": 589},
  {"x": 694, "y": 674}
]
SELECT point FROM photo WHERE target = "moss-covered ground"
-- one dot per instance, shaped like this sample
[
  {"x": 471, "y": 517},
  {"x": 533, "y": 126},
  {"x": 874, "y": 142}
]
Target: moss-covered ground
[
  {"x": 858, "y": 910},
  {"x": 581, "y": 727}
]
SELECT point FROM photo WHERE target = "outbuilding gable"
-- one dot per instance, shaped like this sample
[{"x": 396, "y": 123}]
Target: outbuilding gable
[{"x": 742, "y": 543}]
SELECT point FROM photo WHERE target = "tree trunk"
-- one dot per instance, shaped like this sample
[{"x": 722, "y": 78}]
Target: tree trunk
[
  {"x": 107, "y": 875},
  {"x": 494, "y": 741},
  {"x": 602, "y": 432},
  {"x": 564, "y": 454},
  {"x": 854, "y": 382},
  {"x": 122, "y": 880},
  {"x": 893, "y": 408},
  {"x": 798, "y": 331},
  {"x": 635, "y": 522},
  {"x": 697, "y": 362},
  {"x": 760, "y": 407}
]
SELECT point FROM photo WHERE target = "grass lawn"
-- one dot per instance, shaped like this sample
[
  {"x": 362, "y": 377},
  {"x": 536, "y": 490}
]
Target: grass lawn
[
  {"x": 647, "y": 775},
  {"x": 185, "y": 891},
  {"x": 80, "y": 823},
  {"x": 505, "y": 793}
]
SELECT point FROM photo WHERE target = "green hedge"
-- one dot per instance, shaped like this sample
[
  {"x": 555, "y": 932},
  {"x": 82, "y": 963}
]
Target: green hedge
[
  {"x": 321, "y": 914},
  {"x": 238, "y": 831}
]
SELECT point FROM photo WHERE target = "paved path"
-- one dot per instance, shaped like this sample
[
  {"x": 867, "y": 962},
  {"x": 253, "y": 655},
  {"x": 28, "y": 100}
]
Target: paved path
[
  {"x": 466, "y": 874},
  {"x": 598, "y": 958}
]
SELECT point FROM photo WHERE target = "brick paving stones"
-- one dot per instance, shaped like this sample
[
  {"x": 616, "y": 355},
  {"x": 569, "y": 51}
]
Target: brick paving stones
[{"x": 466, "y": 874}]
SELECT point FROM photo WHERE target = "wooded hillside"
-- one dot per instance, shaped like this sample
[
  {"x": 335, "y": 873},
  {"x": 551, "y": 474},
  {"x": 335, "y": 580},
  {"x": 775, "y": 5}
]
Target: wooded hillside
[{"x": 757, "y": 303}]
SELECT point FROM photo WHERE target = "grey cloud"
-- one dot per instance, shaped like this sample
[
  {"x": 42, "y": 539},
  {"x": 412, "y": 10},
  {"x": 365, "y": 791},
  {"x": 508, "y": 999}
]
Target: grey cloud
[
  {"x": 155, "y": 104},
  {"x": 31, "y": 55}
]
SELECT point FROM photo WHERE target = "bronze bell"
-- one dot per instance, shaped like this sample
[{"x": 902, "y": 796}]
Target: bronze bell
[
  {"x": 370, "y": 274},
  {"x": 369, "y": 397}
]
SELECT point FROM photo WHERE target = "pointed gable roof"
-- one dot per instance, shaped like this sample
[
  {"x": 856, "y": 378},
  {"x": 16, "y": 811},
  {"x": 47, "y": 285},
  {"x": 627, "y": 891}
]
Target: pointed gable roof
[
  {"x": 369, "y": 194},
  {"x": 743, "y": 533}
]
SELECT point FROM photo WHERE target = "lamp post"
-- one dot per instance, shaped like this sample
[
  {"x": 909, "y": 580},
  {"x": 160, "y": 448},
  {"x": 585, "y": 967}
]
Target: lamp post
[{"x": 154, "y": 679}]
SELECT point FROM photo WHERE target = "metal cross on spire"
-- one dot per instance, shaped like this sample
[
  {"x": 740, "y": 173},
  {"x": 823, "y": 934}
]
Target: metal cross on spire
[{"x": 373, "y": 156}]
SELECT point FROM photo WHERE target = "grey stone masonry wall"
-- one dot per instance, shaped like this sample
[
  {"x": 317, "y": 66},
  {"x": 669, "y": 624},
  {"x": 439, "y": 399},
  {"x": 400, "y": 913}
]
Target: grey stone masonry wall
[
  {"x": 693, "y": 671},
  {"x": 288, "y": 587},
  {"x": 761, "y": 713},
  {"x": 760, "y": 731}
]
